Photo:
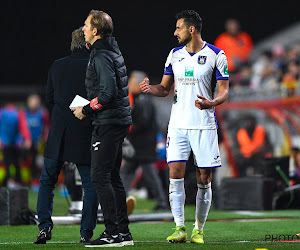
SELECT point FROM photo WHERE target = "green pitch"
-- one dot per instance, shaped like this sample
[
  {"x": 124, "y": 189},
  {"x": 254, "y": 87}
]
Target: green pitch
[
  {"x": 230, "y": 233},
  {"x": 218, "y": 235}
]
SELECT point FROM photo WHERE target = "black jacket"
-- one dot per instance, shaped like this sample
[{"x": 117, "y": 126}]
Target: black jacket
[
  {"x": 106, "y": 79},
  {"x": 69, "y": 138},
  {"x": 144, "y": 129}
]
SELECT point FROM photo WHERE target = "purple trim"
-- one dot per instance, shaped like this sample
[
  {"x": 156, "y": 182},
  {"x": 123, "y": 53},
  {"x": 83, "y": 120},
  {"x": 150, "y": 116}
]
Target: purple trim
[
  {"x": 177, "y": 48},
  {"x": 213, "y": 48},
  {"x": 223, "y": 78},
  {"x": 218, "y": 74},
  {"x": 168, "y": 70},
  {"x": 216, "y": 121},
  {"x": 210, "y": 167},
  {"x": 177, "y": 161}
]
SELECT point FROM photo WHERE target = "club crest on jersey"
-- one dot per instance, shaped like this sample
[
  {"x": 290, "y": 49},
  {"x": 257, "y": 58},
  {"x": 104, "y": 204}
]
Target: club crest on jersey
[{"x": 202, "y": 59}]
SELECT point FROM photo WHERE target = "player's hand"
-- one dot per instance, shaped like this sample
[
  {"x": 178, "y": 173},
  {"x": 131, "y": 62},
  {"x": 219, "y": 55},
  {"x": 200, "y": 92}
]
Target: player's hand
[
  {"x": 203, "y": 103},
  {"x": 78, "y": 112},
  {"x": 144, "y": 85}
]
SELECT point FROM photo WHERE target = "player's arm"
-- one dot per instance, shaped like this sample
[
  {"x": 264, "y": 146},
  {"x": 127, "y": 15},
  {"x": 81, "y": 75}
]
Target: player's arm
[
  {"x": 162, "y": 89},
  {"x": 222, "y": 77},
  {"x": 204, "y": 103},
  {"x": 222, "y": 94}
]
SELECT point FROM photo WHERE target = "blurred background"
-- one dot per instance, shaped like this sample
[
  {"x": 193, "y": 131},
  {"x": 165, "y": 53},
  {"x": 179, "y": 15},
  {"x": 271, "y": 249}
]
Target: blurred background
[{"x": 258, "y": 125}]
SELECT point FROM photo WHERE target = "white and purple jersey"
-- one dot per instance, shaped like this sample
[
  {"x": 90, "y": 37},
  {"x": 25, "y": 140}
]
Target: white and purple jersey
[{"x": 195, "y": 73}]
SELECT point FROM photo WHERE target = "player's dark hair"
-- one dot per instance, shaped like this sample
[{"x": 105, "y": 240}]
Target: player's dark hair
[{"x": 191, "y": 18}]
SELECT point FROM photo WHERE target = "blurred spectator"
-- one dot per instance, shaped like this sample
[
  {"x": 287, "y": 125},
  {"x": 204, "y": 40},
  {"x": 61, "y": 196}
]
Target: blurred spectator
[
  {"x": 294, "y": 164},
  {"x": 278, "y": 52},
  {"x": 295, "y": 153},
  {"x": 236, "y": 44},
  {"x": 289, "y": 85},
  {"x": 14, "y": 134},
  {"x": 241, "y": 78},
  {"x": 253, "y": 146},
  {"x": 143, "y": 138},
  {"x": 38, "y": 123},
  {"x": 296, "y": 173},
  {"x": 292, "y": 54},
  {"x": 263, "y": 71},
  {"x": 161, "y": 161},
  {"x": 294, "y": 70}
]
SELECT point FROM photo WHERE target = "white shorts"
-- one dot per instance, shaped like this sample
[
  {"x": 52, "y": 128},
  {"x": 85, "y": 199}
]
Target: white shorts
[{"x": 203, "y": 143}]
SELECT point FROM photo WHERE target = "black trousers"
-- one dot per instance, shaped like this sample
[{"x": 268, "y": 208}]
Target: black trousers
[
  {"x": 106, "y": 154},
  {"x": 35, "y": 172},
  {"x": 11, "y": 155}
]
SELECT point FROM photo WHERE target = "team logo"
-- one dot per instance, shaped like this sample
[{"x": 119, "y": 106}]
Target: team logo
[
  {"x": 202, "y": 59},
  {"x": 189, "y": 71}
]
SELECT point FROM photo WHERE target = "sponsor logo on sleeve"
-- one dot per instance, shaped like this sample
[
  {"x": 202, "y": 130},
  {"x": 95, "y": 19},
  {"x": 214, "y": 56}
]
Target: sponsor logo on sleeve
[{"x": 226, "y": 70}]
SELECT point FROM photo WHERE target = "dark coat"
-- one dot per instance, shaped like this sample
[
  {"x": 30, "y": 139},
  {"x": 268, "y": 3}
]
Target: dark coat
[
  {"x": 69, "y": 138},
  {"x": 144, "y": 129},
  {"x": 106, "y": 79}
]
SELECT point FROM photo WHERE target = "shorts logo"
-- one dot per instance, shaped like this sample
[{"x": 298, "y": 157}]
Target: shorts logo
[
  {"x": 189, "y": 71},
  {"x": 202, "y": 59},
  {"x": 217, "y": 160}
]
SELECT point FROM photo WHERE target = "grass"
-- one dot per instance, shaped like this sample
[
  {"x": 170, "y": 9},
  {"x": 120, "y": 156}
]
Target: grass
[{"x": 218, "y": 234}]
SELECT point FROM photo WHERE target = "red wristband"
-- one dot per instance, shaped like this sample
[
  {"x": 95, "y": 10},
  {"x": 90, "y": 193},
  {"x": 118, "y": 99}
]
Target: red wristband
[{"x": 95, "y": 105}]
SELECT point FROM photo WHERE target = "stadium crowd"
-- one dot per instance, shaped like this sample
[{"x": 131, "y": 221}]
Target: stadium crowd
[{"x": 275, "y": 73}]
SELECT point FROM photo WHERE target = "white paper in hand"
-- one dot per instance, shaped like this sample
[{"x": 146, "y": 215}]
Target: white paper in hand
[{"x": 78, "y": 101}]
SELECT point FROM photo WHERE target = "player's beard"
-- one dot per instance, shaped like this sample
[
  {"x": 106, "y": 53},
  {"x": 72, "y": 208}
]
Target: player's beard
[{"x": 185, "y": 40}]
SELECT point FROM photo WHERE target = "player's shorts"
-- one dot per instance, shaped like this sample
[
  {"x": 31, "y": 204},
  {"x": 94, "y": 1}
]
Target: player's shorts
[{"x": 203, "y": 143}]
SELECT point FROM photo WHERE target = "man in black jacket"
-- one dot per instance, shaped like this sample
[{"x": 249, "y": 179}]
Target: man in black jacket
[
  {"x": 107, "y": 90},
  {"x": 69, "y": 139}
]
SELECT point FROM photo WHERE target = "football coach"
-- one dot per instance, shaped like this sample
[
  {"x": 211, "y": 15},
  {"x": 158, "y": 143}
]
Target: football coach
[{"x": 107, "y": 90}]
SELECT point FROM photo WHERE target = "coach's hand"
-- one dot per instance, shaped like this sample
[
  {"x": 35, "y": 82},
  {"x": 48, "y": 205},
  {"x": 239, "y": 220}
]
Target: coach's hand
[
  {"x": 78, "y": 112},
  {"x": 144, "y": 85},
  {"x": 203, "y": 103}
]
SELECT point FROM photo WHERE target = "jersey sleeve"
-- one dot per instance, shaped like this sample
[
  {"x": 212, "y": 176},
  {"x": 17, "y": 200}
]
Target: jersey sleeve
[
  {"x": 168, "y": 66},
  {"x": 222, "y": 66}
]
